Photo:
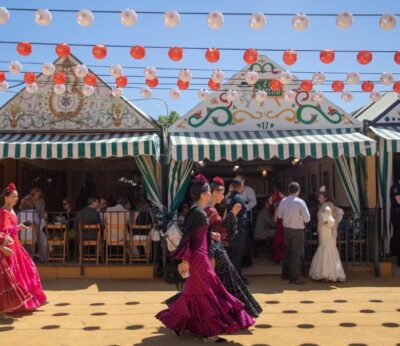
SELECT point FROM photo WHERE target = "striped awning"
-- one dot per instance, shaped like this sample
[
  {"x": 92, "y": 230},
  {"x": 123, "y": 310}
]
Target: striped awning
[
  {"x": 78, "y": 146},
  {"x": 391, "y": 137},
  {"x": 300, "y": 144}
]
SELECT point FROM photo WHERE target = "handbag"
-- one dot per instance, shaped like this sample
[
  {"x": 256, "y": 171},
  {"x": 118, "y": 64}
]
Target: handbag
[
  {"x": 173, "y": 236},
  {"x": 155, "y": 234}
]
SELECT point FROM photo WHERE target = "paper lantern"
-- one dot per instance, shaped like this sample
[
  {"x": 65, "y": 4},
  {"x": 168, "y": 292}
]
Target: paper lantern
[
  {"x": 318, "y": 78},
  {"x": 375, "y": 96},
  {"x": 29, "y": 77},
  {"x": 15, "y": 67},
  {"x": 138, "y": 52},
  {"x": 364, "y": 57},
  {"x": 251, "y": 77},
  {"x": 85, "y": 17},
  {"x": 212, "y": 55},
  {"x": 388, "y": 21},
  {"x": 337, "y": 86},
  {"x": 275, "y": 85},
  {"x": 48, "y": 69},
  {"x": 63, "y": 50},
  {"x": 367, "y": 86},
  {"x": 185, "y": 75},
  {"x": 289, "y": 57},
  {"x": 4, "y": 86},
  {"x": 152, "y": 83},
  {"x": 24, "y": 48},
  {"x": 59, "y": 89},
  {"x": 217, "y": 76},
  {"x": 232, "y": 95},
  {"x": 397, "y": 58},
  {"x": 286, "y": 77},
  {"x": 212, "y": 85},
  {"x": 300, "y": 22},
  {"x": 43, "y": 17},
  {"x": 116, "y": 71},
  {"x": 150, "y": 73},
  {"x": 387, "y": 78},
  {"x": 80, "y": 71},
  {"x": 318, "y": 97},
  {"x": 250, "y": 56},
  {"x": 4, "y": 15},
  {"x": 353, "y": 78},
  {"x": 257, "y": 21},
  {"x": 145, "y": 93},
  {"x": 2, "y": 76},
  {"x": 396, "y": 87},
  {"x": 175, "y": 53},
  {"x": 182, "y": 85},
  {"x": 327, "y": 56},
  {"x": 171, "y": 19},
  {"x": 117, "y": 92},
  {"x": 215, "y": 20},
  {"x": 87, "y": 90},
  {"x": 203, "y": 94},
  {"x": 121, "y": 81},
  {"x": 128, "y": 17},
  {"x": 59, "y": 77},
  {"x": 90, "y": 79},
  {"x": 344, "y": 20},
  {"x": 174, "y": 94},
  {"x": 31, "y": 88},
  {"x": 306, "y": 85},
  {"x": 347, "y": 96},
  {"x": 261, "y": 96},
  {"x": 99, "y": 51}
]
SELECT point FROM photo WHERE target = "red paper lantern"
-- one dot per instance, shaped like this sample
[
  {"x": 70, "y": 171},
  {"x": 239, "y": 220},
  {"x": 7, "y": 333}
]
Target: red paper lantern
[
  {"x": 59, "y": 77},
  {"x": 367, "y": 86},
  {"x": 63, "y": 50},
  {"x": 2, "y": 76},
  {"x": 275, "y": 85},
  {"x": 337, "y": 86},
  {"x": 182, "y": 85},
  {"x": 24, "y": 48},
  {"x": 306, "y": 85},
  {"x": 250, "y": 56},
  {"x": 212, "y": 85},
  {"x": 396, "y": 87},
  {"x": 212, "y": 55},
  {"x": 29, "y": 77},
  {"x": 289, "y": 57},
  {"x": 138, "y": 52},
  {"x": 90, "y": 79},
  {"x": 327, "y": 56},
  {"x": 364, "y": 57},
  {"x": 175, "y": 53},
  {"x": 121, "y": 81},
  {"x": 152, "y": 83},
  {"x": 99, "y": 51},
  {"x": 397, "y": 58}
]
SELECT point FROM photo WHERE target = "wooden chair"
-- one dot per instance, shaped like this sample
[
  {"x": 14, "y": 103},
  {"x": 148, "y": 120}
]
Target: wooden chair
[
  {"x": 28, "y": 239},
  {"x": 56, "y": 238},
  {"x": 86, "y": 244},
  {"x": 116, "y": 235},
  {"x": 140, "y": 236}
]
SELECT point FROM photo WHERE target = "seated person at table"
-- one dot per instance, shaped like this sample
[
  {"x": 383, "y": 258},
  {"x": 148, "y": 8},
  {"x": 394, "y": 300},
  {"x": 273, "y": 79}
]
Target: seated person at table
[
  {"x": 117, "y": 219},
  {"x": 143, "y": 215},
  {"x": 265, "y": 228},
  {"x": 88, "y": 216}
]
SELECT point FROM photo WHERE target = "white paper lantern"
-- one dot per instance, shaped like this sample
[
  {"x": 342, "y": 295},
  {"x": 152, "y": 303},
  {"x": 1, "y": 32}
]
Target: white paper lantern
[
  {"x": 172, "y": 19},
  {"x": 347, "y": 96},
  {"x": 85, "y": 17},
  {"x": 232, "y": 95},
  {"x": 4, "y": 15},
  {"x": 375, "y": 96},
  {"x": 15, "y": 67},
  {"x": 217, "y": 76},
  {"x": 215, "y": 20},
  {"x": 4, "y": 86},
  {"x": 174, "y": 94},
  {"x": 344, "y": 20},
  {"x": 203, "y": 94},
  {"x": 145, "y": 92},
  {"x": 31, "y": 88},
  {"x": 353, "y": 78},
  {"x": 43, "y": 17},
  {"x": 318, "y": 78},
  {"x": 117, "y": 92},
  {"x": 286, "y": 77},
  {"x": 251, "y": 77},
  {"x": 318, "y": 97},
  {"x": 289, "y": 96},
  {"x": 261, "y": 96},
  {"x": 59, "y": 89},
  {"x": 257, "y": 21},
  {"x": 150, "y": 73},
  {"x": 128, "y": 17},
  {"x": 387, "y": 78},
  {"x": 80, "y": 71},
  {"x": 48, "y": 69},
  {"x": 388, "y": 21},
  {"x": 116, "y": 71},
  {"x": 300, "y": 22},
  {"x": 87, "y": 90},
  {"x": 185, "y": 75}
]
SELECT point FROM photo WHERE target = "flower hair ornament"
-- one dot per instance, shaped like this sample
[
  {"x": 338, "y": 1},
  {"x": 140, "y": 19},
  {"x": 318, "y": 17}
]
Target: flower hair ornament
[
  {"x": 218, "y": 181},
  {"x": 322, "y": 189},
  {"x": 11, "y": 188},
  {"x": 200, "y": 178}
]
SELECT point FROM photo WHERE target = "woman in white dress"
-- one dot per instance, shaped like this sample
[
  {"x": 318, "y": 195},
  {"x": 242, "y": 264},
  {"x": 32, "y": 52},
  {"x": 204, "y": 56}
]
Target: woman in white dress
[{"x": 326, "y": 264}]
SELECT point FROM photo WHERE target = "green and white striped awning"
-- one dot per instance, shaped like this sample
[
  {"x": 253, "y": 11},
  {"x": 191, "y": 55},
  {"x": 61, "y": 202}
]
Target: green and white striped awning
[
  {"x": 216, "y": 146},
  {"x": 391, "y": 137},
  {"x": 78, "y": 146}
]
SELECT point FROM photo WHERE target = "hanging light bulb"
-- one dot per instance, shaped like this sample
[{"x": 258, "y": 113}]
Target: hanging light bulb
[
  {"x": 15, "y": 67},
  {"x": 116, "y": 71},
  {"x": 318, "y": 97},
  {"x": 388, "y": 21},
  {"x": 289, "y": 96},
  {"x": 257, "y": 21},
  {"x": 48, "y": 69},
  {"x": 43, "y": 17},
  {"x": 261, "y": 96},
  {"x": 4, "y": 86},
  {"x": 353, "y": 78},
  {"x": 375, "y": 96},
  {"x": 150, "y": 73},
  {"x": 232, "y": 95},
  {"x": 117, "y": 92},
  {"x": 215, "y": 20},
  {"x": 286, "y": 77},
  {"x": 172, "y": 19},
  {"x": 344, "y": 20},
  {"x": 32, "y": 88},
  {"x": 203, "y": 94},
  {"x": 145, "y": 92},
  {"x": 251, "y": 77},
  {"x": 347, "y": 96},
  {"x": 318, "y": 78},
  {"x": 4, "y": 15},
  {"x": 85, "y": 17},
  {"x": 80, "y": 70},
  {"x": 217, "y": 76},
  {"x": 59, "y": 89},
  {"x": 387, "y": 78},
  {"x": 174, "y": 94},
  {"x": 87, "y": 90},
  {"x": 185, "y": 75},
  {"x": 128, "y": 17},
  {"x": 300, "y": 22}
]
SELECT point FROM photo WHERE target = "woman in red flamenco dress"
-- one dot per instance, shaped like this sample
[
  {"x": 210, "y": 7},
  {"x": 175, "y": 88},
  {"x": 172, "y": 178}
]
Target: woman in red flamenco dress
[
  {"x": 20, "y": 287},
  {"x": 278, "y": 243}
]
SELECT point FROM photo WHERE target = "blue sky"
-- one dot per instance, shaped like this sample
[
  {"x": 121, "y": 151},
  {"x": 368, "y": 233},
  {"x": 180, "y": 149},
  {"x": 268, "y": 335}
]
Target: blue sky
[{"x": 193, "y": 31}]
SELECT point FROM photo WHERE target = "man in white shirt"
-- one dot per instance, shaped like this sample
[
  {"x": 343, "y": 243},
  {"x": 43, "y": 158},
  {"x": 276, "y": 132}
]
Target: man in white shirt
[{"x": 294, "y": 213}]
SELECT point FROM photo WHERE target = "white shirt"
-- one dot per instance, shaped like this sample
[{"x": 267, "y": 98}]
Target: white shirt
[
  {"x": 250, "y": 198},
  {"x": 294, "y": 212}
]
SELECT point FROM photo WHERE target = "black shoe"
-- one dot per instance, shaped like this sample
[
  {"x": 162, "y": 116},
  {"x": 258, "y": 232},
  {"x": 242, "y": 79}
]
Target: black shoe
[{"x": 297, "y": 282}]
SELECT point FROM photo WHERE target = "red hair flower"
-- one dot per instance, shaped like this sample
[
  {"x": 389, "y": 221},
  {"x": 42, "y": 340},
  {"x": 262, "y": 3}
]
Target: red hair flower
[
  {"x": 200, "y": 177},
  {"x": 11, "y": 187},
  {"x": 219, "y": 181}
]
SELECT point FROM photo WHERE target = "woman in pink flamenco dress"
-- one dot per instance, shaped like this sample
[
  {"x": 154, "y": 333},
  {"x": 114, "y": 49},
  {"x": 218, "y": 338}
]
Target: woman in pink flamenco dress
[
  {"x": 20, "y": 287},
  {"x": 205, "y": 308}
]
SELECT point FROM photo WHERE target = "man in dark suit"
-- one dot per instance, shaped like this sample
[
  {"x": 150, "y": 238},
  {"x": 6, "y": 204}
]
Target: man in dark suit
[{"x": 89, "y": 216}]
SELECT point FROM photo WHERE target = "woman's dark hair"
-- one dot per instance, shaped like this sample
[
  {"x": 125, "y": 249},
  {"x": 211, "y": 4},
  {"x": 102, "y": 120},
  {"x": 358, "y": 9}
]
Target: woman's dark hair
[
  {"x": 197, "y": 189},
  {"x": 7, "y": 192},
  {"x": 69, "y": 201}
]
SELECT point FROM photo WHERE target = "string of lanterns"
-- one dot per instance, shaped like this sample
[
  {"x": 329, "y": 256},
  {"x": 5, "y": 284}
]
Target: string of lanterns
[{"x": 215, "y": 19}]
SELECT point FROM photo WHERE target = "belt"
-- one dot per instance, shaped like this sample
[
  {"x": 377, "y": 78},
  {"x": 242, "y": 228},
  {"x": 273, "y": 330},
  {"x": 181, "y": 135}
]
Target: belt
[{"x": 293, "y": 229}]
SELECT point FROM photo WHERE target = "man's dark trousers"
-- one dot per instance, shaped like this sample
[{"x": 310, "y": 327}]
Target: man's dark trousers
[{"x": 294, "y": 253}]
